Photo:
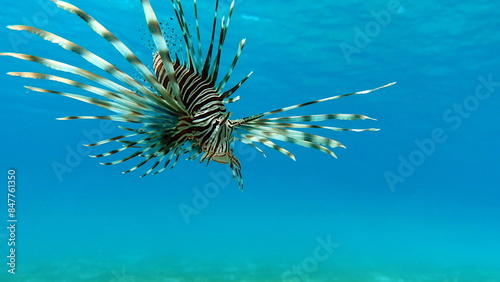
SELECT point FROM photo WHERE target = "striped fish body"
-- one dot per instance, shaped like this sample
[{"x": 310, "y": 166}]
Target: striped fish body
[
  {"x": 206, "y": 120},
  {"x": 182, "y": 112}
]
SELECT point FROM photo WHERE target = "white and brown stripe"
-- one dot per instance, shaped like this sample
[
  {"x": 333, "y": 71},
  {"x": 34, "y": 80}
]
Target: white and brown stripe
[{"x": 181, "y": 110}]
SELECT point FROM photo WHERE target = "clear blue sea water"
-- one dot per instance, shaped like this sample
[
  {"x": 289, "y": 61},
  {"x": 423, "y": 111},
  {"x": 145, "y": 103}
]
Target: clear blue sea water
[{"x": 416, "y": 201}]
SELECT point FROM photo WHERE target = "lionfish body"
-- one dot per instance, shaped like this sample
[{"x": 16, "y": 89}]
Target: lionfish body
[{"x": 181, "y": 109}]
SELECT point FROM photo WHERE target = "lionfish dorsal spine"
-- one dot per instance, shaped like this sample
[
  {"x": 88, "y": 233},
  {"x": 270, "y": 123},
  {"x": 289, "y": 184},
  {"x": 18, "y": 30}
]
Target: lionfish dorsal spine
[
  {"x": 222, "y": 38},
  {"x": 224, "y": 80},
  {"x": 190, "y": 51},
  {"x": 199, "y": 56},
  {"x": 162, "y": 50},
  {"x": 129, "y": 56},
  {"x": 206, "y": 66},
  {"x": 179, "y": 108}
]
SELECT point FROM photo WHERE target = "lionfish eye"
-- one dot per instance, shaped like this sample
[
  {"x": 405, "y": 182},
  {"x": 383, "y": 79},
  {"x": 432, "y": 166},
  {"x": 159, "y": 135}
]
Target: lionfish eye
[{"x": 182, "y": 105}]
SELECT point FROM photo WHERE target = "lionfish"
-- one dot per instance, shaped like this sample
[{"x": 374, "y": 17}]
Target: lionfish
[{"x": 179, "y": 104}]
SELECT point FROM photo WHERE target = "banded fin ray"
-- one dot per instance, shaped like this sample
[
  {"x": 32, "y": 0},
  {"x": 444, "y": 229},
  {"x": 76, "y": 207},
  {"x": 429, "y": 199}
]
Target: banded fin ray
[
  {"x": 301, "y": 125},
  {"x": 124, "y": 102},
  {"x": 296, "y": 137},
  {"x": 56, "y": 65},
  {"x": 162, "y": 49},
  {"x": 314, "y": 102},
  {"x": 124, "y": 50},
  {"x": 178, "y": 104},
  {"x": 93, "y": 59},
  {"x": 249, "y": 138}
]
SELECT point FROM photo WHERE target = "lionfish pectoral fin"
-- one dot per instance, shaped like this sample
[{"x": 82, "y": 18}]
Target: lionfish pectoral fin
[
  {"x": 221, "y": 159},
  {"x": 258, "y": 129},
  {"x": 319, "y": 101},
  {"x": 163, "y": 100},
  {"x": 235, "y": 166}
]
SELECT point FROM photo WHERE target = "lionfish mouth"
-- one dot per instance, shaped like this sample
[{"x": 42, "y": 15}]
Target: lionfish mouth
[{"x": 182, "y": 108}]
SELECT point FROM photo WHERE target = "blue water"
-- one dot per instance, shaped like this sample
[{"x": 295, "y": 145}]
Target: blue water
[{"x": 416, "y": 201}]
